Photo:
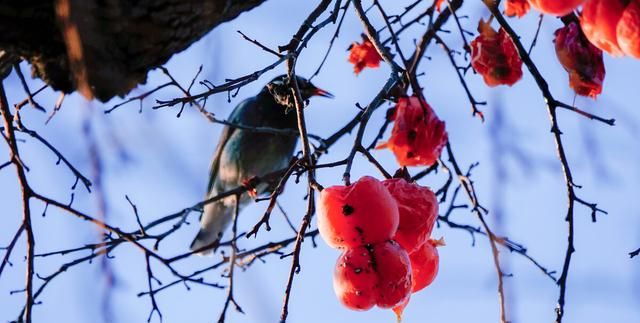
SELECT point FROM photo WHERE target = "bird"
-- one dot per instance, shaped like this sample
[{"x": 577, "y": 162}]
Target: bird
[{"x": 243, "y": 154}]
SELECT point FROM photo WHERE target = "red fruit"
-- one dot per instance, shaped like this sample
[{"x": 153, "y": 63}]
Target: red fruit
[
  {"x": 394, "y": 274},
  {"x": 374, "y": 274},
  {"x": 556, "y": 7},
  {"x": 359, "y": 214},
  {"x": 418, "y": 209},
  {"x": 363, "y": 55},
  {"x": 581, "y": 59},
  {"x": 495, "y": 57},
  {"x": 418, "y": 136},
  {"x": 517, "y": 8},
  {"x": 424, "y": 265},
  {"x": 599, "y": 20},
  {"x": 354, "y": 279},
  {"x": 628, "y": 30}
]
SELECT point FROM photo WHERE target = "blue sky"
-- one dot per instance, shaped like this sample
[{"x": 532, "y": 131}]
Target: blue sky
[{"x": 161, "y": 163}]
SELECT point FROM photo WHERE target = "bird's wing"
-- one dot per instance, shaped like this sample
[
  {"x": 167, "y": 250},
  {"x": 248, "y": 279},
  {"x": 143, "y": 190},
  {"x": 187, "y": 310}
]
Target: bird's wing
[
  {"x": 238, "y": 115},
  {"x": 213, "y": 169}
]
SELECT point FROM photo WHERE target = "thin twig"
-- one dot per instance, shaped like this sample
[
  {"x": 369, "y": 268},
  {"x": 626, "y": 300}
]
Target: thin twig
[
  {"x": 30, "y": 96},
  {"x": 9, "y": 248},
  {"x": 232, "y": 264},
  {"x": 26, "y": 194},
  {"x": 480, "y": 211}
]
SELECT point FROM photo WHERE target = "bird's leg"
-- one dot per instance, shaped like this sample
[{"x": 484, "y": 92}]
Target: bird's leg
[{"x": 250, "y": 184}]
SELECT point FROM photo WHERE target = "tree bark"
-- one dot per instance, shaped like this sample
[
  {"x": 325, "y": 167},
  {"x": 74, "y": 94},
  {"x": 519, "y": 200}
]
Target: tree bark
[{"x": 104, "y": 48}]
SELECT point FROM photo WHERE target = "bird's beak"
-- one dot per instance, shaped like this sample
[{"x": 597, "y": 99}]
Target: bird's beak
[{"x": 321, "y": 92}]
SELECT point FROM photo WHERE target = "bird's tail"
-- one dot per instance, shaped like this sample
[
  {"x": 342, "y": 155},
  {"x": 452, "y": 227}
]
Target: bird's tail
[{"x": 215, "y": 219}]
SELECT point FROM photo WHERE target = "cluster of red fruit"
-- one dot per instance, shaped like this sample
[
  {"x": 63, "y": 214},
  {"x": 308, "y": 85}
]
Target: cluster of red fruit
[
  {"x": 418, "y": 136},
  {"x": 612, "y": 26},
  {"x": 383, "y": 229}
]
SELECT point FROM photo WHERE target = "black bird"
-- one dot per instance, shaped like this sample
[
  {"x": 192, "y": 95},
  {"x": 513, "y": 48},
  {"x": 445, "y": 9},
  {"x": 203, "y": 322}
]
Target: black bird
[{"x": 243, "y": 154}]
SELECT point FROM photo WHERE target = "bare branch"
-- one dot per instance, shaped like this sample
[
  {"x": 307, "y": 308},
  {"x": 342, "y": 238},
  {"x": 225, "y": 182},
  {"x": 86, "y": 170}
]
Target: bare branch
[
  {"x": 26, "y": 194},
  {"x": 552, "y": 106}
]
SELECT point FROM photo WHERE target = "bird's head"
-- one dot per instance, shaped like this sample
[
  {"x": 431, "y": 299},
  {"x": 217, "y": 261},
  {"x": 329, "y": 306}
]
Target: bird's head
[{"x": 279, "y": 88}]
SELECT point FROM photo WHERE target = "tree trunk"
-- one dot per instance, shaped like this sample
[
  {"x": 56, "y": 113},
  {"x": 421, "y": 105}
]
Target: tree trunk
[{"x": 104, "y": 48}]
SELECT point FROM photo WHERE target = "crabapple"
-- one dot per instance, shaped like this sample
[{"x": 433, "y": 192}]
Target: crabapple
[
  {"x": 418, "y": 210},
  {"x": 393, "y": 266},
  {"x": 556, "y": 7},
  {"x": 355, "y": 279},
  {"x": 424, "y": 265},
  {"x": 359, "y": 214}
]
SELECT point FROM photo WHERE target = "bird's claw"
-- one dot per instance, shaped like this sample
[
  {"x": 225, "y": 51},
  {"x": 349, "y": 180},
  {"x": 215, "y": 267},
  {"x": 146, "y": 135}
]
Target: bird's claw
[{"x": 250, "y": 185}]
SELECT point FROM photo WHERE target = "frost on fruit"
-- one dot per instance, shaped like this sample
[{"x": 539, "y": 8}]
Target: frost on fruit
[
  {"x": 359, "y": 214},
  {"x": 582, "y": 60},
  {"x": 418, "y": 136},
  {"x": 495, "y": 57},
  {"x": 363, "y": 55}
]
